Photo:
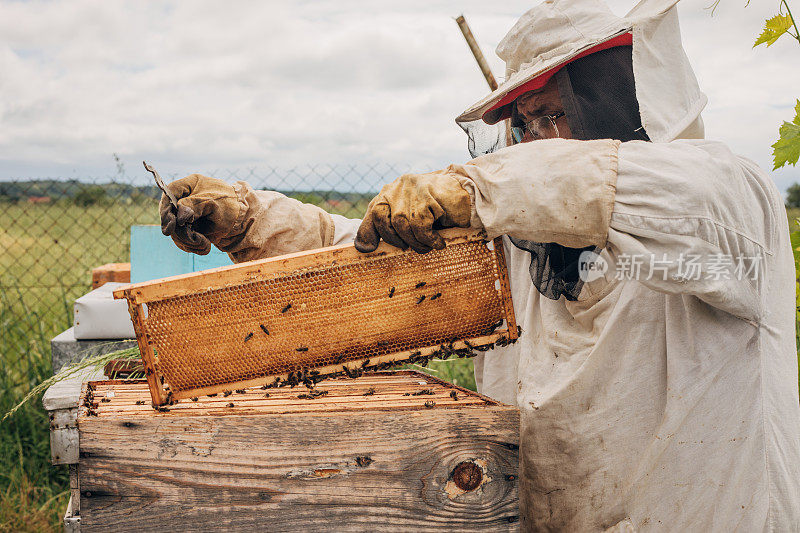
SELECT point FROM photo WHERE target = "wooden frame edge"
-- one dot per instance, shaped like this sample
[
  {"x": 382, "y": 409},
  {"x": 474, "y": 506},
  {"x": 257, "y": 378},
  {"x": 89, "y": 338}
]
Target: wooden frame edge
[
  {"x": 505, "y": 288},
  {"x": 157, "y": 392},
  {"x": 220, "y": 277},
  {"x": 354, "y": 365}
]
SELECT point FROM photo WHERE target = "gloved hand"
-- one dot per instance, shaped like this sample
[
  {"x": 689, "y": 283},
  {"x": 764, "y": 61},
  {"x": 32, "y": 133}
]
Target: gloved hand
[
  {"x": 207, "y": 210},
  {"x": 408, "y": 211}
]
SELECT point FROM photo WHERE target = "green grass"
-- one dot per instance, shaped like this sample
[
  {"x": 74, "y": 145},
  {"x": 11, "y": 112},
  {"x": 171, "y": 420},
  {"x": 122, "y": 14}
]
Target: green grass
[
  {"x": 33, "y": 493},
  {"x": 47, "y": 255}
]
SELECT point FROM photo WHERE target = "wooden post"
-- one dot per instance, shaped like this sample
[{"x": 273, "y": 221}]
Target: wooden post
[{"x": 476, "y": 51}]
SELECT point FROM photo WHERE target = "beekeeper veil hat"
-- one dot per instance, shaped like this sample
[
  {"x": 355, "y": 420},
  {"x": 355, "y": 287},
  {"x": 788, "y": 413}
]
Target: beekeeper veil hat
[
  {"x": 624, "y": 78},
  {"x": 559, "y": 32}
]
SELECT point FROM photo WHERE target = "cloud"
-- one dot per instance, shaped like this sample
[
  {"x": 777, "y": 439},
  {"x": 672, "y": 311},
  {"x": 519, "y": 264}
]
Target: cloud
[{"x": 202, "y": 85}]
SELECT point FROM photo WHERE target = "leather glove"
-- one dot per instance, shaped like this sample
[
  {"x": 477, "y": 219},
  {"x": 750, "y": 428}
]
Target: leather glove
[
  {"x": 408, "y": 211},
  {"x": 207, "y": 211}
]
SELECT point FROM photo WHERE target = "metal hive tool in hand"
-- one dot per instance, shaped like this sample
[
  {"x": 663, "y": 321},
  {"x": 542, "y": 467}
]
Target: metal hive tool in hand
[{"x": 301, "y": 317}]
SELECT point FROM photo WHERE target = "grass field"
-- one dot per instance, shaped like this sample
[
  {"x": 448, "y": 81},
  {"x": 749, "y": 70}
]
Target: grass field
[{"x": 47, "y": 254}]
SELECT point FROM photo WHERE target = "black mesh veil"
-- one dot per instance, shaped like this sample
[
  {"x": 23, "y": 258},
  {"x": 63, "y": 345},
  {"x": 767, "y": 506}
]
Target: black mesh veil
[
  {"x": 483, "y": 138},
  {"x": 599, "y": 98}
]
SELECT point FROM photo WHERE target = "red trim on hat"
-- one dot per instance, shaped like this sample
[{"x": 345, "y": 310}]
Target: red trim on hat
[{"x": 541, "y": 80}]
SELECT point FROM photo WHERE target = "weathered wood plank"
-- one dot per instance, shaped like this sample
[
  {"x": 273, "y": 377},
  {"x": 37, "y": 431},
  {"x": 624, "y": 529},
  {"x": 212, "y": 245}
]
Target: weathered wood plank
[
  {"x": 120, "y": 272},
  {"x": 379, "y": 468},
  {"x": 299, "y": 471}
]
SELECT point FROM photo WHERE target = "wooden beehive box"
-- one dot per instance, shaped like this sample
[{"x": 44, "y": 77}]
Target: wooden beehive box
[{"x": 393, "y": 451}]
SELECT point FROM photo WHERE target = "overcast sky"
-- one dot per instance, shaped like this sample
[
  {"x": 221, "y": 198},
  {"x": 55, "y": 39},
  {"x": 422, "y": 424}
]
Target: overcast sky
[{"x": 203, "y": 85}]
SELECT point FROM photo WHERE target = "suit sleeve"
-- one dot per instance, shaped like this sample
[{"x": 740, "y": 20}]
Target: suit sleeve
[
  {"x": 686, "y": 217},
  {"x": 272, "y": 224}
]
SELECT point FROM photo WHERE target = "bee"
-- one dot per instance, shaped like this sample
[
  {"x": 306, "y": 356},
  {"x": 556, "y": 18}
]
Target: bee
[
  {"x": 406, "y": 394},
  {"x": 302, "y": 348},
  {"x": 226, "y": 393},
  {"x": 420, "y": 299},
  {"x": 162, "y": 408},
  {"x": 230, "y": 404},
  {"x": 139, "y": 402},
  {"x": 363, "y": 461},
  {"x": 195, "y": 398},
  {"x": 493, "y": 327},
  {"x": 420, "y": 285},
  {"x": 105, "y": 399},
  {"x": 435, "y": 296},
  {"x": 248, "y": 336},
  {"x": 391, "y": 292},
  {"x": 423, "y": 392},
  {"x": 212, "y": 395},
  {"x": 264, "y": 329},
  {"x": 454, "y": 395},
  {"x": 288, "y": 306},
  {"x": 354, "y": 373},
  {"x": 266, "y": 395},
  {"x": 240, "y": 391},
  {"x": 313, "y": 395},
  {"x": 162, "y": 380},
  {"x": 430, "y": 404},
  {"x": 365, "y": 364},
  {"x": 370, "y": 391}
]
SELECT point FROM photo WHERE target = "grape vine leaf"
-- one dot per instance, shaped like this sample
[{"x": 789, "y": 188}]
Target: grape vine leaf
[
  {"x": 787, "y": 149},
  {"x": 773, "y": 29}
]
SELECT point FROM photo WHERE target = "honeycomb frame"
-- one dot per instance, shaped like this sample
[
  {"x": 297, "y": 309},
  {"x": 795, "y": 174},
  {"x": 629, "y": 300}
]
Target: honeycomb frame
[{"x": 302, "y": 317}]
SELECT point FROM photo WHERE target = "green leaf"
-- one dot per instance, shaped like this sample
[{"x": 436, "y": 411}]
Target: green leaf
[
  {"x": 787, "y": 149},
  {"x": 773, "y": 29}
]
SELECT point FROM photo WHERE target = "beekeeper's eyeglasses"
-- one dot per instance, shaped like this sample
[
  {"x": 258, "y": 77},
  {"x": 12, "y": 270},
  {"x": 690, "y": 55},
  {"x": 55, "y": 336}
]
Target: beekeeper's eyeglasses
[{"x": 543, "y": 127}]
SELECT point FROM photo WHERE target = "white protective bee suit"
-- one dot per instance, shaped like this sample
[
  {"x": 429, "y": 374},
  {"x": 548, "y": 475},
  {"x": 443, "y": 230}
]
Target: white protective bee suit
[{"x": 667, "y": 401}]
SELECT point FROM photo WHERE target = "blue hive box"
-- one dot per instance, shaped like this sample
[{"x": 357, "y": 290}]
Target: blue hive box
[{"x": 154, "y": 256}]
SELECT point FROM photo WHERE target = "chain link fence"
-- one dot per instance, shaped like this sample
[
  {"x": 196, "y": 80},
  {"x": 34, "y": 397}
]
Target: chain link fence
[{"x": 53, "y": 232}]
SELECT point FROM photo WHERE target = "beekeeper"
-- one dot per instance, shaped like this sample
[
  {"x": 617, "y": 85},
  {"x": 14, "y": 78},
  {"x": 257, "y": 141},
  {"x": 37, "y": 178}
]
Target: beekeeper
[{"x": 651, "y": 273}]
